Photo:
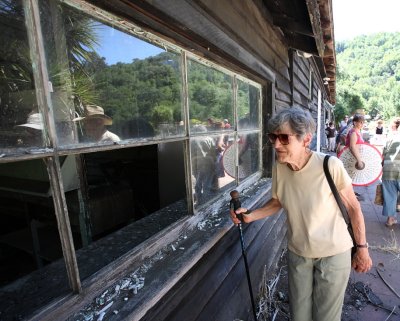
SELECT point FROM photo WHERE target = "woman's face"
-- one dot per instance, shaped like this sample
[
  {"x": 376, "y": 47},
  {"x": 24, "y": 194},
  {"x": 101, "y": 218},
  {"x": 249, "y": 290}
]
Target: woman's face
[
  {"x": 287, "y": 153},
  {"x": 359, "y": 124},
  {"x": 94, "y": 128}
]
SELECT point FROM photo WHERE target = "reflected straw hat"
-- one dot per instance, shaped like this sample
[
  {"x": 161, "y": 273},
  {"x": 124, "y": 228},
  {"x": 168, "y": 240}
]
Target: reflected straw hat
[
  {"x": 93, "y": 111},
  {"x": 34, "y": 121}
]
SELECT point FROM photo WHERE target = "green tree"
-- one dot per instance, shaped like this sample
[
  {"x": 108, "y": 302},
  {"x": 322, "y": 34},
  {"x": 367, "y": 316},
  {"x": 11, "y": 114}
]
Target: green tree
[{"x": 369, "y": 74}]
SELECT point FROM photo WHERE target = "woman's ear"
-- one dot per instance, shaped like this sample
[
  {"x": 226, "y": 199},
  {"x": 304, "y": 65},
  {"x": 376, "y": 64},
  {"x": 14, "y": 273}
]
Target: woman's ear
[{"x": 307, "y": 140}]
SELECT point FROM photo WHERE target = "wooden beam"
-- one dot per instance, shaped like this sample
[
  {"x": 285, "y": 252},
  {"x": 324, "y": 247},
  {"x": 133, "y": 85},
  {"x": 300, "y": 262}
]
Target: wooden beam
[
  {"x": 290, "y": 24},
  {"x": 315, "y": 18},
  {"x": 302, "y": 43}
]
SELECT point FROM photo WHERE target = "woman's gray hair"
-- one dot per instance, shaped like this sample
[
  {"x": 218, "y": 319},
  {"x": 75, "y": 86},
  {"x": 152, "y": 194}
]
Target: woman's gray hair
[{"x": 298, "y": 119}]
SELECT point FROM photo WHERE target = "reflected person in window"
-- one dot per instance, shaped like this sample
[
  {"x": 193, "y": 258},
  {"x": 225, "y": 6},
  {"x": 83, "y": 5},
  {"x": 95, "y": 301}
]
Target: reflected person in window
[
  {"x": 33, "y": 127},
  {"x": 203, "y": 160},
  {"x": 94, "y": 124},
  {"x": 319, "y": 244}
]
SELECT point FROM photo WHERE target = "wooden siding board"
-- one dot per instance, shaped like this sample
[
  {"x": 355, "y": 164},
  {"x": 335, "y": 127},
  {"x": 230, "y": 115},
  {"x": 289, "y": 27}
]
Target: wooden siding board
[
  {"x": 302, "y": 75},
  {"x": 269, "y": 245},
  {"x": 190, "y": 17},
  {"x": 283, "y": 84},
  {"x": 187, "y": 299},
  {"x": 284, "y": 97},
  {"x": 257, "y": 32},
  {"x": 179, "y": 300}
]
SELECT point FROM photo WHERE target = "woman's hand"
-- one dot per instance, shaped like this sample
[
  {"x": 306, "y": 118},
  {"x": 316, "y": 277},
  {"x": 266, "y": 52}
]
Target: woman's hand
[
  {"x": 235, "y": 215},
  {"x": 360, "y": 165},
  {"x": 361, "y": 261}
]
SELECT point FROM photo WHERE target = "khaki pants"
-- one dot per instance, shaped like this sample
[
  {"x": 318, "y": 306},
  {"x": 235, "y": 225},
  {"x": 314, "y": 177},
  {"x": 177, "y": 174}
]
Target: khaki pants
[{"x": 317, "y": 286}]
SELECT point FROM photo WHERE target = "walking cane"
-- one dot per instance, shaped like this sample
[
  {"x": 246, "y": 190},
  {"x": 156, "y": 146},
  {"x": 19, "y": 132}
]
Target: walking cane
[{"x": 234, "y": 205}]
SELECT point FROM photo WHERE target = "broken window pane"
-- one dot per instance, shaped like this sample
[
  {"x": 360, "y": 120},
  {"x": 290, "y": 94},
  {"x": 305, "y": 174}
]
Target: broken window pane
[
  {"x": 108, "y": 85},
  {"x": 130, "y": 195},
  {"x": 32, "y": 267}
]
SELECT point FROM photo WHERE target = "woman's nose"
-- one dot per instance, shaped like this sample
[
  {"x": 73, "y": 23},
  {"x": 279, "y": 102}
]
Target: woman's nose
[{"x": 277, "y": 143}]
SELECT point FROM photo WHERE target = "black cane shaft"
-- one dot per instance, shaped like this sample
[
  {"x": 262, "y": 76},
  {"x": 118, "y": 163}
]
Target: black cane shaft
[
  {"x": 246, "y": 264},
  {"x": 235, "y": 204}
]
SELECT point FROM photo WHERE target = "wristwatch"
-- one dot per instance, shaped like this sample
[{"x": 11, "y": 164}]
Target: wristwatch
[{"x": 362, "y": 245}]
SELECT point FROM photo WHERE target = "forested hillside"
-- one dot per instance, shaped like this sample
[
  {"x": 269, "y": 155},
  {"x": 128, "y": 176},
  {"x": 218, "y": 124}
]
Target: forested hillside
[{"x": 368, "y": 75}]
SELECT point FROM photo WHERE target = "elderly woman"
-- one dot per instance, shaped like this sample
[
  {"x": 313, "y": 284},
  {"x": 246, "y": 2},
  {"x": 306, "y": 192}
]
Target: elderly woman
[
  {"x": 319, "y": 244},
  {"x": 354, "y": 137}
]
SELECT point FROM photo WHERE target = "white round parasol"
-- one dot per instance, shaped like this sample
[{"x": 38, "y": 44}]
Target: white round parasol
[
  {"x": 229, "y": 162},
  {"x": 372, "y": 159}
]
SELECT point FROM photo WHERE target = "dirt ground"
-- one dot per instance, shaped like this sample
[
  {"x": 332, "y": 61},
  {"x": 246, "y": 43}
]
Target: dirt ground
[{"x": 373, "y": 296}]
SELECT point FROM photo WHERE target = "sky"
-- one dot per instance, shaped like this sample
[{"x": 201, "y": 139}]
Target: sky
[
  {"x": 117, "y": 46},
  {"x": 353, "y": 18}
]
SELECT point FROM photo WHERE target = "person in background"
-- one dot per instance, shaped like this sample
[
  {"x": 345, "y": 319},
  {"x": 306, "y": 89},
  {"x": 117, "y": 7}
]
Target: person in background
[
  {"x": 204, "y": 157},
  {"x": 341, "y": 136},
  {"x": 319, "y": 244},
  {"x": 226, "y": 124},
  {"x": 379, "y": 127},
  {"x": 343, "y": 122},
  {"x": 391, "y": 174},
  {"x": 94, "y": 123},
  {"x": 354, "y": 137},
  {"x": 331, "y": 133},
  {"x": 33, "y": 131}
]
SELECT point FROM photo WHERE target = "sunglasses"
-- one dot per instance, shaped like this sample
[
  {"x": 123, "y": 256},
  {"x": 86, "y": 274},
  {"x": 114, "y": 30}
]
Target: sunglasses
[{"x": 283, "y": 138}]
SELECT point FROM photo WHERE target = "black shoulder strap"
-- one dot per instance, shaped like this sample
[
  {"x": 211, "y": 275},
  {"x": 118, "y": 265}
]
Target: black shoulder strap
[{"x": 335, "y": 191}]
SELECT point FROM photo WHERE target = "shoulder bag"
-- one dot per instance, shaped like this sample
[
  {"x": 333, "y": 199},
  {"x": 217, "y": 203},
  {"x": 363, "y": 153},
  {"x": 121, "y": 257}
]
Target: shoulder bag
[{"x": 340, "y": 204}]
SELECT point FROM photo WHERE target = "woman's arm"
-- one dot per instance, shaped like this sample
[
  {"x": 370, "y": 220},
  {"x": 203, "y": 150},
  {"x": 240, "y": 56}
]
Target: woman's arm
[
  {"x": 270, "y": 208},
  {"x": 361, "y": 261},
  {"x": 355, "y": 150}
]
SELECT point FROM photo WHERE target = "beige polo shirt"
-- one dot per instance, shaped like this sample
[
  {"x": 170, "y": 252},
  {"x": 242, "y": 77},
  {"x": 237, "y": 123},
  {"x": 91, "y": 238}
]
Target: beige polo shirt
[{"x": 316, "y": 227}]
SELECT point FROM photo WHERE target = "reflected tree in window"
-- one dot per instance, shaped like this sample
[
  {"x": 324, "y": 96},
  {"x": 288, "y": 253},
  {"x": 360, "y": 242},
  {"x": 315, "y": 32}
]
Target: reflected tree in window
[
  {"x": 17, "y": 89},
  {"x": 210, "y": 96}
]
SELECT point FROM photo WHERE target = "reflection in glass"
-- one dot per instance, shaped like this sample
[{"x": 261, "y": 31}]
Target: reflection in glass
[
  {"x": 210, "y": 97},
  {"x": 17, "y": 89},
  {"x": 94, "y": 125},
  {"x": 137, "y": 84},
  {"x": 248, "y": 106},
  {"x": 248, "y": 154},
  {"x": 209, "y": 177},
  {"x": 127, "y": 198},
  {"x": 32, "y": 269}
]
